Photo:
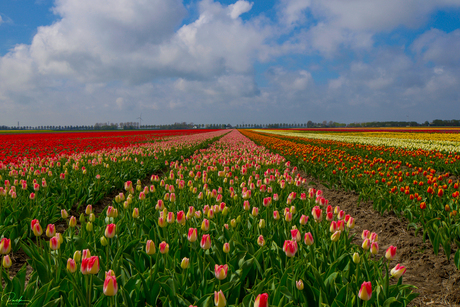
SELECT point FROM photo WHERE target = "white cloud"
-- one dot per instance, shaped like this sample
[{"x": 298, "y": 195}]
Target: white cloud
[
  {"x": 139, "y": 56},
  {"x": 238, "y": 8}
]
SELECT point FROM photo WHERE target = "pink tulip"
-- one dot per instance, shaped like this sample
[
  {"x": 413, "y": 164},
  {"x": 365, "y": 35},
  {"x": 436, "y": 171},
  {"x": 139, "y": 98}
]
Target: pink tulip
[
  {"x": 398, "y": 271},
  {"x": 219, "y": 299},
  {"x": 303, "y": 219},
  {"x": 391, "y": 253},
  {"x": 164, "y": 247},
  {"x": 366, "y": 234},
  {"x": 71, "y": 265},
  {"x": 308, "y": 239},
  {"x": 374, "y": 248},
  {"x": 365, "y": 293},
  {"x": 110, "y": 231},
  {"x": 110, "y": 287},
  {"x": 205, "y": 242},
  {"x": 150, "y": 248},
  {"x": 192, "y": 234},
  {"x": 50, "y": 230},
  {"x": 295, "y": 235},
  {"x": 220, "y": 271},
  {"x": 290, "y": 248}
]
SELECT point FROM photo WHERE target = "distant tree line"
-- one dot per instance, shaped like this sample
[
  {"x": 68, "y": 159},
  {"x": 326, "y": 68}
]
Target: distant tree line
[{"x": 184, "y": 125}]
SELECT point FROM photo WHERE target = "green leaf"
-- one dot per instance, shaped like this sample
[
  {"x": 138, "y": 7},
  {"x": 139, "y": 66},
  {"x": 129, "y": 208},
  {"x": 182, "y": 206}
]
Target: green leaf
[{"x": 389, "y": 301}]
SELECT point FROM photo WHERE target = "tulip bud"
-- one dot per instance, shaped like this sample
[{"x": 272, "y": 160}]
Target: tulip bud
[
  {"x": 205, "y": 225},
  {"x": 366, "y": 234},
  {"x": 303, "y": 219},
  {"x": 262, "y": 223},
  {"x": 233, "y": 223},
  {"x": 110, "y": 231},
  {"x": 64, "y": 214},
  {"x": 164, "y": 247},
  {"x": 185, "y": 263},
  {"x": 335, "y": 236},
  {"x": 181, "y": 218},
  {"x": 374, "y": 248},
  {"x": 226, "y": 248},
  {"x": 276, "y": 215},
  {"x": 89, "y": 226},
  {"x": 366, "y": 244},
  {"x": 205, "y": 242},
  {"x": 295, "y": 235},
  {"x": 5, "y": 246},
  {"x": 150, "y": 248},
  {"x": 219, "y": 299},
  {"x": 6, "y": 262},
  {"x": 308, "y": 239},
  {"x": 261, "y": 300},
  {"x": 255, "y": 211},
  {"x": 110, "y": 287},
  {"x": 86, "y": 254},
  {"x": 351, "y": 223},
  {"x": 92, "y": 217},
  {"x": 50, "y": 230},
  {"x": 71, "y": 265},
  {"x": 82, "y": 218},
  {"x": 72, "y": 221},
  {"x": 299, "y": 284},
  {"x": 356, "y": 258},
  {"x": 390, "y": 253},
  {"x": 136, "y": 213},
  {"x": 192, "y": 234},
  {"x": 261, "y": 241},
  {"x": 104, "y": 241},
  {"x": 77, "y": 256},
  {"x": 365, "y": 293},
  {"x": 54, "y": 243},
  {"x": 290, "y": 248},
  {"x": 374, "y": 237},
  {"x": 398, "y": 271},
  {"x": 89, "y": 209},
  {"x": 36, "y": 228},
  {"x": 220, "y": 271}
]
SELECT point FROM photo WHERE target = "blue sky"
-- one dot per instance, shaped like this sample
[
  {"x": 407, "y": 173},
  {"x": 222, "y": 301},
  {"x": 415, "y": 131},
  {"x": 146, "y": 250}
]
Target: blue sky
[{"x": 78, "y": 62}]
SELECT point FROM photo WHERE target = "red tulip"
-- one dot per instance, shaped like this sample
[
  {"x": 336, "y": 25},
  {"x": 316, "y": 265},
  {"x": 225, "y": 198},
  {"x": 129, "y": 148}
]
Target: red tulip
[
  {"x": 5, "y": 246},
  {"x": 261, "y": 300}
]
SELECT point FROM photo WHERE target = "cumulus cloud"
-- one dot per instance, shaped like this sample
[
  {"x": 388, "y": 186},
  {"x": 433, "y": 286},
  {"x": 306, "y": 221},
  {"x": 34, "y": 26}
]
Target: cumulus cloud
[
  {"x": 238, "y": 8},
  {"x": 106, "y": 60}
]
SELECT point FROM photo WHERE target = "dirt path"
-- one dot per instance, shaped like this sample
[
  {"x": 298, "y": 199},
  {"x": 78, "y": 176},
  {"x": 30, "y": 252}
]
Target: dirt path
[{"x": 437, "y": 279}]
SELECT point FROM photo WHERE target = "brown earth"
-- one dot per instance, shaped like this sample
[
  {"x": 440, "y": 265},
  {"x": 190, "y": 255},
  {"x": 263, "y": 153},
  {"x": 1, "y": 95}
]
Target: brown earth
[{"x": 437, "y": 279}]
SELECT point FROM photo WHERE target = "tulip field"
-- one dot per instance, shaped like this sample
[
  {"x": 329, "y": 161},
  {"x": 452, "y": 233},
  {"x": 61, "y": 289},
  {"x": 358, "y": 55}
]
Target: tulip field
[
  {"x": 420, "y": 184},
  {"x": 214, "y": 217}
]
